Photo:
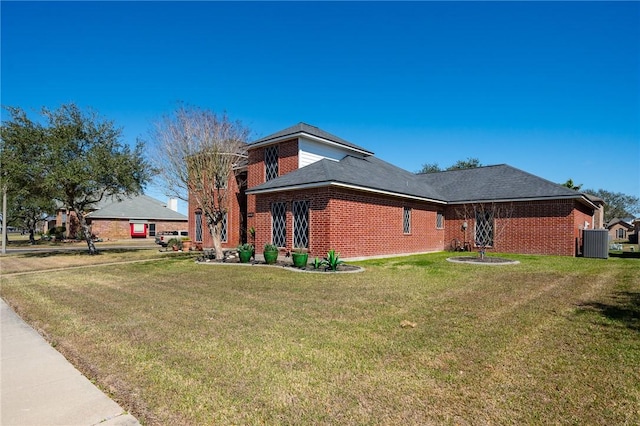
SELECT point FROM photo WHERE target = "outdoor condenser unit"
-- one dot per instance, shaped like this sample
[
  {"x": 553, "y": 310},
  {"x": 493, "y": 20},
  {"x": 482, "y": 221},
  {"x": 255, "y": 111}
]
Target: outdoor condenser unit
[{"x": 595, "y": 243}]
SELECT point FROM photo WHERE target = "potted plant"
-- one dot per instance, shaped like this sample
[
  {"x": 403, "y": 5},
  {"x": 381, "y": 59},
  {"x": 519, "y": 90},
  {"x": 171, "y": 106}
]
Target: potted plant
[
  {"x": 245, "y": 251},
  {"x": 300, "y": 256},
  {"x": 270, "y": 253},
  {"x": 175, "y": 244},
  {"x": 186, "y": 243}
]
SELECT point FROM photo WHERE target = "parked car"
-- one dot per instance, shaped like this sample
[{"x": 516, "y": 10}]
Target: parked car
[{"x": 163, "y": 237}]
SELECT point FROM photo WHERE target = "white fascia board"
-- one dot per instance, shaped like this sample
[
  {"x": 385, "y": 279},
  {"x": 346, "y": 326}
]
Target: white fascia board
[
  {"x": 343, "y": 185},
  {"x": 310, "y": 137},
  {"x": 515, "y": 200}
]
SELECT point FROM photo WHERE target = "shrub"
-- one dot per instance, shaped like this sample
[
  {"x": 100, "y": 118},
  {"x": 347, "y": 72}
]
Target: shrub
[
  {"x": 332, "y": 260},
  {"x": 245, "y": 247},
  {"x": 270, "y": 247}
]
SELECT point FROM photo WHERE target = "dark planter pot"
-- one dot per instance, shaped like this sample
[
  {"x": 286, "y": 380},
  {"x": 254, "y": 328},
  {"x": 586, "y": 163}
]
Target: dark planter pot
[
  {"x": 300, "y": 259},
  {"x": 270, "y": 257},
  {"x": 245, "y": 255}
]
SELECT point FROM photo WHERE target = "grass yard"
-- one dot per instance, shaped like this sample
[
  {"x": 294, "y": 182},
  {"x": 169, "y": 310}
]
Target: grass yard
[{"x": 549, "y": 341}]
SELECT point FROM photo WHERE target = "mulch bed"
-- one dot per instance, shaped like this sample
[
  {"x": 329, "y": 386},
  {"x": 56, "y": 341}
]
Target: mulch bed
[{"x": 287, "y": 264}]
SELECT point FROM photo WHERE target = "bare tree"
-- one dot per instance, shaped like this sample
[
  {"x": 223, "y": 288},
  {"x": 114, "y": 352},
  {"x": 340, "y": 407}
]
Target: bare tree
[
  {"x": 196, "y": 152},
  {"x": 490, "y": 222}
]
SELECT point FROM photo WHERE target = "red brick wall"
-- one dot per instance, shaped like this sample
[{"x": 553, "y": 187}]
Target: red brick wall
[
  {"x": 117, "y": 229},
  {"x": 532, "y": 227},
  {"x": 234, "y": 220},
  {"x": 287, "y": 162},
  {"x": 354, "y": 223}
]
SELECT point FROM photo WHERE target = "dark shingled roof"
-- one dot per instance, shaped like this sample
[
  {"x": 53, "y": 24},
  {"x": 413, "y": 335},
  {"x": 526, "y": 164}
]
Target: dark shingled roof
[
  {"x": 141, "y": 207},
  {"x": 369, "y": 173},
  {"x": 500, "y": 182},
  {"x": 310, "y": 130}
]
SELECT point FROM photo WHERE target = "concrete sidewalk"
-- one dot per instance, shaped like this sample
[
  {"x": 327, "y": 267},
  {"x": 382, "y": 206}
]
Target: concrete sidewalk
[{"x": 38, "y": 386}]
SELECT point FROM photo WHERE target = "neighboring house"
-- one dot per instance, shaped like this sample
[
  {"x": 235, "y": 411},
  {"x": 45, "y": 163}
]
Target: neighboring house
[
  {"x": 621, "y": 229},
  {"x": 308, "y": 188},
  {"x": 636, "y": 231},
  {"x": 134, "y": 217}
]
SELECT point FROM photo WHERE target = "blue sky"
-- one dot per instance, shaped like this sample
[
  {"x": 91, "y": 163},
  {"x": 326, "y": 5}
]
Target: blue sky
[{"x": 552, "y": 88}]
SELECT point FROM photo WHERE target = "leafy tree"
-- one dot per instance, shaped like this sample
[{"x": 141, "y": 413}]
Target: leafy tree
[
  {"x": 469, "y": 163},
  {"x": 196, "y": 150},
  {"x": 617, "y": 204},
  {"x": 23, "y": 146},
  {"x": 80, "y": 160},
  {"x": 430, "y": 168},
  {"x": 569, "y": 184}
]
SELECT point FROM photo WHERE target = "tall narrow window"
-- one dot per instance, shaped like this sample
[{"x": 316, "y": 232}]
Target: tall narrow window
[
  {"x": 198, "y": 222},
  {"x": 271, "y": 162},
  {"x": 223, "y": 229},
  {"x": 484, "y": 228},
  {"x": 440, "y": 220},
  {"x": 279, "y": 224},
  {"x": 406, "y": 220},
  {"x": 301, "y": 224}
]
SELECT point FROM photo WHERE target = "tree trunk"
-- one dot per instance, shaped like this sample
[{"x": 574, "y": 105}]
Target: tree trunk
[
  {"x": 87, "y": 233},
  {"x": 214, "y": 229}
]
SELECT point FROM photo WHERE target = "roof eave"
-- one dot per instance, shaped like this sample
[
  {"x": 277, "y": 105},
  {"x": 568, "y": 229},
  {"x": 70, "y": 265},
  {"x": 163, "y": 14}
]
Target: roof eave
[
  {"x": 342, "y": 185},
  {"x": 311, "y": 137},
  {"x": 513, "y": 200}
]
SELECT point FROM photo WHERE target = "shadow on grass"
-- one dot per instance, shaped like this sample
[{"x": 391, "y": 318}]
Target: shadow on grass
[
  {"x": 625, "y": 254},
  {"x": 76, "y": 252},
  {"x": 623, "y": 309}
]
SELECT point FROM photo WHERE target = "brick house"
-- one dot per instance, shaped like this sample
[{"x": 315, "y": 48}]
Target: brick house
[
  {"x": 304, "y": 187},
  {"x": 621, "y": 230},
  {"x": 134, "y": 217}
]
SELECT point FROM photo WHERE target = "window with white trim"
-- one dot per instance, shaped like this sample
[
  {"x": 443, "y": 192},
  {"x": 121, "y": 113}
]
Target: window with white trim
[
  {"x": 484, "y": 228},
  {"x": 271, "y": 162},
  {"x": 439, "y": 220},
  {"x": 406, "y": 220},
  {"x": 279, "y": 224},
  {"x": 300, "y": 224}
]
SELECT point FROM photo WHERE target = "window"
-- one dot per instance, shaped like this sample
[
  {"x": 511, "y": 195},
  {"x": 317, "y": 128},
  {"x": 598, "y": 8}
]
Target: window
[
  {"x": 279, "y": 224},
  {"x": 440, "y": 220},
  {"x": 621, "y": 233},
  {"x": 271, "y": 162},
  {"x": 198, "y": 222},
  {"x": 301, "y": 224},
  {"x": 152, "y": 229},
  {"x": 223, "y": 229},
  {"x": 406, "y": 222},
  {"x": 484, "y": 228}
]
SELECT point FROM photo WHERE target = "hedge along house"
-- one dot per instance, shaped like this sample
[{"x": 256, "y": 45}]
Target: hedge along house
[
  {"x": 310, "y": 189},
  {"x": 134, "y": 217}
]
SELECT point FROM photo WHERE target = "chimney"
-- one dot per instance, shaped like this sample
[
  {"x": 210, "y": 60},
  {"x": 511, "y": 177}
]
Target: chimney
[{"x": 173, "y": 204}]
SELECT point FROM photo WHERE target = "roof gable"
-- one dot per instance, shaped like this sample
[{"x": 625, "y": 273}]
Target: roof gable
[{"x": 302, "y": 130}]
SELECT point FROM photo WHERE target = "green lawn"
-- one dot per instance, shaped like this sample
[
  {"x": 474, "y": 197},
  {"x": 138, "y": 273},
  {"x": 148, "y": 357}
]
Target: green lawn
[{"x": 551, "y": 340}]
